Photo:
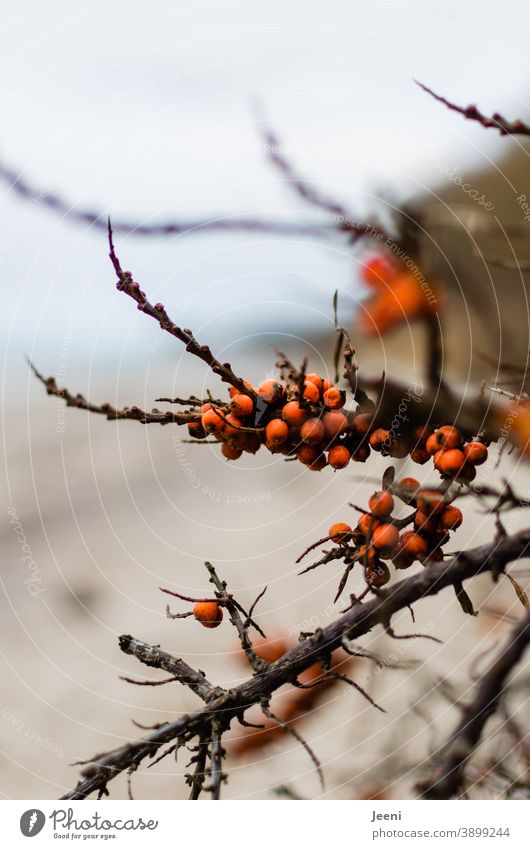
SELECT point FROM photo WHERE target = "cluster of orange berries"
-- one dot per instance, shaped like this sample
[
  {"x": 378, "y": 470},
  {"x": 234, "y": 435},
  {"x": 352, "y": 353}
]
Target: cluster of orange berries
[
  {"x": 377, "y": 536},
  {"x": 309, "y": 424},
  {"x": 453, "y": 456}
]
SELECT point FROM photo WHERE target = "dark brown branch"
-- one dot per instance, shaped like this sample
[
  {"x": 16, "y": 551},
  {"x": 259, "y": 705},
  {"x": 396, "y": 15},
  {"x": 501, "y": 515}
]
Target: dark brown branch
[
  {"x": 505, "y": 127},
  {"x": 133, "y": 413},
  {"x": 98, "y": 220},
  {"x": 216, "y": 762},
  {"x": 157, "y": 311},
  {"x": 158, "y": 659},
  {"x": 449, "y": 774},
  {"x": 196, "y": 780},
  {"x": 358, "y": 620},
  {"x": 242, "y": 626}
]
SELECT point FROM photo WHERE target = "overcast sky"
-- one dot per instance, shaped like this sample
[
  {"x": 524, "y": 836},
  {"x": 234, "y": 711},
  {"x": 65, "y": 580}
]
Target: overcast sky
[{"x": 144, "y": 110}]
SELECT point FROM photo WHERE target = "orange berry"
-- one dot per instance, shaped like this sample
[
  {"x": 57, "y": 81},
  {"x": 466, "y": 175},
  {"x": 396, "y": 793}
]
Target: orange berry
[
  {"x": 212, "y": 421},
  {"x": 340, "y": 532},
  {"x": 419, "y": 455},
  {"x": 437, "y": 459},
  {"x": 380, "y": 439},
  {"x": 467, "y": 472},
  {"x": 378, "y": 271},
  {"x": 408, "y": 487},
  {"x": 334, "y": 398},
  {"x": 294, "y": 414},
  {"x": 196, "y": 430},
  {"x": 398, "y": 449},
  {"x": 385, "y": 538},
  {"x": 339, "y": 457},
  {"x": 377, "y": 575},
  {"x": 446, "y": 437},
  {"x": 475, "y": 453},
  {"x": 231, "y": 425},
  {"x": 271, "y": 391},
  {"x": 208, "y": 613},
  {"x": 326, "y": 384},
  {"x": 307, "y": 454},
  {"x": 242, "y": 406},
  {"x": 276, "y": 432},
  {"x": 381, "y": 504},
  {"x": 316, "y": 380},
  {"x": 367, "y": 555},
  {"x": 361, "y": 423},
  {"x": 311, "y": 393},
  {"x": 312, "y": 432},
  {"x": 251, "y": 443},
  {"x": 451, "y": 518},
  {"x": 401, "y": 560},
  {"x": 233, "y": 391},
  {"x": 451, "y": 461},
  {"x": 229, "y": 452},
  {"x": 425, "y": 524},
  {"x": 367, "y": 524},
  {"x": 413, "y": 544},
  {"x": 318, "y": 463},
  {"x": 449, "y": 437},
  {"x": 334, "y": 423},
  {"x": 361, "y": 453},
  {"x": 206, "y": 407}
]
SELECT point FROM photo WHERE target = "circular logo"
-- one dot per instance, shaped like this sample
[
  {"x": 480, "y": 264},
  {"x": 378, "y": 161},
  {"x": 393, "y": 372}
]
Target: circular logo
[{"x": 31, "y": 822}]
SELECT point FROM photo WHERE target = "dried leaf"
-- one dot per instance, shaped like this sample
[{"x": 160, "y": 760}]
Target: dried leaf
[
  {"x": 388, "y": 477},
  {"x": 519, "y": 591},
  {"x": 465, "y": 602}
]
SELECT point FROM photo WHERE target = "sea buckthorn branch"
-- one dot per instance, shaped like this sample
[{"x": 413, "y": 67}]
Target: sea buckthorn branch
[
  {"x": 289, "y": 727},
  {"x": 358, "y": 620},
  {"x": 448, "y": 777},
  {"x": 505, "y": 127},
  {"x": 98, "y": 220},
  {"x": 343, "y": 219},
  {"x": 133, "y": 413},
  {"x": 132, "y": 289},
  {"x": 158, "y": 659}
]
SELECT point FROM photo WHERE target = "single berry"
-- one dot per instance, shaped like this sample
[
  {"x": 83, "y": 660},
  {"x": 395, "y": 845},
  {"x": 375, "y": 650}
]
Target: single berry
[
  {"x": 271, "y": 391},
  {"x": 276, "y": 432},
  {"x": 451, "y": 518},
  {"x": 475, "y": 453},
  {"x": 312, "y": 432},
  {"x": 334, "y": 423},
  {"x": 334, "y": 398},
  {"x": 381, "y": 504},
  {"x": 208, "y": 613},
  {"x": 294, "y": 414},
  {"x": 413, "y": 544},
  {"x": 385, "y": 538},
  {"x": 242, "y": 406},
  {"x": 311, "y": 393},
  {"x": 380, "y": 439},
  {"x": 212, "y": 422},
  {"x": 339, "y": 457},
  {"x": 451, "y": 461},
  {"x": 340, "y": 532},
  {"x": 229, "y": 452}
]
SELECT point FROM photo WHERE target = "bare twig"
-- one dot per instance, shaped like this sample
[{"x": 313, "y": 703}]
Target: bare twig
[
  {"x": 505, "y": 127},
  {"x": 446, "y": 781},
  {"x": 358, "y": 620}
]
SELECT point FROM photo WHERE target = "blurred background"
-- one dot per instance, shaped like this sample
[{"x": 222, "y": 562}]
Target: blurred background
[{"x": 152, "y": 114}]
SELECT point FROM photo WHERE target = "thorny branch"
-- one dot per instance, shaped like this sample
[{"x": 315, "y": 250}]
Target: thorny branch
[
  {"x": 448, "y": 777},
  {"x": 505, "y": 127},
  {"x": 358, "y": 620}
]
